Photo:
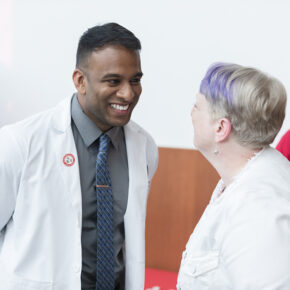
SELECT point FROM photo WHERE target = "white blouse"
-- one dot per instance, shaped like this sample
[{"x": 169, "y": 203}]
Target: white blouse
[{"x": 242, "y": 241}]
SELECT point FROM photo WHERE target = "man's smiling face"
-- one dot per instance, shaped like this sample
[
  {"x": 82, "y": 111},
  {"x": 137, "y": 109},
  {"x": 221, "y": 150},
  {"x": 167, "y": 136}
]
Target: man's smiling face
[{"x": 111, "y": 86}]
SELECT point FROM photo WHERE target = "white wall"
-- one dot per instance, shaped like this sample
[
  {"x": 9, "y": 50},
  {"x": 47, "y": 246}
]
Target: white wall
[{"x": 180, "y": 39}]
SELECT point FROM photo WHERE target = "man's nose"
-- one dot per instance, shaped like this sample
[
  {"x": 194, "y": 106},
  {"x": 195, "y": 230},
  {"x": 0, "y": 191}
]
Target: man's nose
[{"x": 126, "y": 92}]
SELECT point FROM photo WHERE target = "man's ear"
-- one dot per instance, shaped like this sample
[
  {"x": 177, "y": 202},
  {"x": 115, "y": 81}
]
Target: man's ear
[
  {"x": 223, "y": 129},
  {"x": 79, "y": 81}
]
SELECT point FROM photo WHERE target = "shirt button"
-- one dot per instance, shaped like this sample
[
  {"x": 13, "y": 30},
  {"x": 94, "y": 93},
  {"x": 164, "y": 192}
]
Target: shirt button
[{"x": 76, "y": 268}]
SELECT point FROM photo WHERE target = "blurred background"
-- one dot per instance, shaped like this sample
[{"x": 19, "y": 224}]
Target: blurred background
[{"x": 38, "y": 41}]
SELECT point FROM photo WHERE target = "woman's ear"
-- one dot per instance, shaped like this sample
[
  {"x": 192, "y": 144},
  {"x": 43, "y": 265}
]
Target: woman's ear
[
  {"x": 223, "y": 129},
  {"x": 79, "y": 81}
]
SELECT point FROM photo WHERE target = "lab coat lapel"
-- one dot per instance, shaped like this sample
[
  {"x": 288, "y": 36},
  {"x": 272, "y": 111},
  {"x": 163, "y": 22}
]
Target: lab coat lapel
[
  {"x": 136, "y": 208},
  {"x": 64, "y": 144},
  {"x": 137, "y": 164}
]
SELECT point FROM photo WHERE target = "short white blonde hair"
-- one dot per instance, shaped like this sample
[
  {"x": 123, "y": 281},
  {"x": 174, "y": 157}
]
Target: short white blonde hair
[{"x": 253, "y": 101}]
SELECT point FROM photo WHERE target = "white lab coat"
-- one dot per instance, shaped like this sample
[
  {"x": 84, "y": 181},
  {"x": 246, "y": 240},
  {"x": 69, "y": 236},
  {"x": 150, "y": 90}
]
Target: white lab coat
[
  {"x": 40, "y": 203},
  {"x": 242, "y": 241}
]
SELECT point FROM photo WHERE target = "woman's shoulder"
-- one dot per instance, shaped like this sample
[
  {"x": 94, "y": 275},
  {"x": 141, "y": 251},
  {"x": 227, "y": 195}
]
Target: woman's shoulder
[
  {"x": 267, "y": 201},
  {"x": 269, "y": 162},
  {"x": 267, "y": 176}
]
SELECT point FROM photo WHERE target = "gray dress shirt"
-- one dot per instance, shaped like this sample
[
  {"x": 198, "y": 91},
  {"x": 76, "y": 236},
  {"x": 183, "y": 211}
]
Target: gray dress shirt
[{"x": 86, "y": 135}]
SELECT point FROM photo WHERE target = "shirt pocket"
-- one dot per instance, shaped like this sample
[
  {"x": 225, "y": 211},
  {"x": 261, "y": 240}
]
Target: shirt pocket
[
  {"x": 199, "y": 265},
  {"x": 199, "y": 270}
]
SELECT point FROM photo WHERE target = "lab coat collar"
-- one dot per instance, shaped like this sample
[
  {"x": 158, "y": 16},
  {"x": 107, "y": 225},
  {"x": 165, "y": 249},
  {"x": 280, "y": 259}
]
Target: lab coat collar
[{"x": 61, "y": 118}]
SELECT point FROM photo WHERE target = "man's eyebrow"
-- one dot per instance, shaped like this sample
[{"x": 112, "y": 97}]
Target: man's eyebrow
[{"x": 110, "y": 75}]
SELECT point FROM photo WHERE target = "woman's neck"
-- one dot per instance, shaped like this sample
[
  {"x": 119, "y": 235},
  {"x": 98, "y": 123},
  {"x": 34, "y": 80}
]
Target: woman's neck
[{"x": 231, "y": 160}]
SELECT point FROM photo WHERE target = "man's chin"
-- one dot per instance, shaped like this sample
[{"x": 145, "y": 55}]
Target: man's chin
[{"x": 120, "y": 122}]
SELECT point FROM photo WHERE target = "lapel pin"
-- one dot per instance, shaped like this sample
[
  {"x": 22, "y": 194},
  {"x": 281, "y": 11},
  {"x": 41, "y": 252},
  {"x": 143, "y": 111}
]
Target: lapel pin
[{"x": 68, "y": 160}]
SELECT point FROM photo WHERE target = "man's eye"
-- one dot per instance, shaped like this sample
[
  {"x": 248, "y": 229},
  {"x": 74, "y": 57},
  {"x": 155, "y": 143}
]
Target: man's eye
[
  {"x": 113, "y": 82},
  {"x": 136, "y": 81}
]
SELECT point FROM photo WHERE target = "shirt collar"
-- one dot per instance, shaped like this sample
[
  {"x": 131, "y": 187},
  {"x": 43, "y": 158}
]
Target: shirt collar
[{"x": 88, "y": 130}]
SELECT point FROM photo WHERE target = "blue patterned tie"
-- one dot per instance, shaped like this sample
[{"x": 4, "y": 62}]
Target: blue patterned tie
[{"x": 105, "y": 229}]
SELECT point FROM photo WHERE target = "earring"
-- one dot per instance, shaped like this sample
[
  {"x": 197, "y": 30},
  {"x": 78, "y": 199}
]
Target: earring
[{"x": 216, "y": 151}]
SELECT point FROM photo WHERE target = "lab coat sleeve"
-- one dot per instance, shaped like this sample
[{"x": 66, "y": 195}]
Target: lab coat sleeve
[
  {"x": 255, "y": 250},
  {"x": 11, "y": 162}
]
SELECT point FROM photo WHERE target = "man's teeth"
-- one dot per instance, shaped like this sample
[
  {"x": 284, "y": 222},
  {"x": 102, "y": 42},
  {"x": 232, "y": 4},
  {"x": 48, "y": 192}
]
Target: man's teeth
[{"x": 119, "y": 107}]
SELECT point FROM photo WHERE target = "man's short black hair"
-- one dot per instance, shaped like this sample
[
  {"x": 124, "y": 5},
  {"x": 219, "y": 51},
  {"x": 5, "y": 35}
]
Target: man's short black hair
[{"x": 101, "y": 35}]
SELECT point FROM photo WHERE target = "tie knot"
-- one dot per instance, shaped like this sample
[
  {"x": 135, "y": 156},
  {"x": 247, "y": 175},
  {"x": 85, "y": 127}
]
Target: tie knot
[{"x": 104, "y": 143}]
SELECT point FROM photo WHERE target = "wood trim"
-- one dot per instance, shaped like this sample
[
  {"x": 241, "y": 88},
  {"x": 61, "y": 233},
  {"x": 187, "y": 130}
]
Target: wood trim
[{"x": 180, "y": 191}]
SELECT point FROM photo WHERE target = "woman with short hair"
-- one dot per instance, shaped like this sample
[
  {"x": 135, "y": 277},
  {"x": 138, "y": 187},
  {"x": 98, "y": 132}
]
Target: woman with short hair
[{"x": 242, "y": 240}]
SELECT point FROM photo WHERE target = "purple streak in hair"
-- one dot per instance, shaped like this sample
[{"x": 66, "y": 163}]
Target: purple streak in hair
[{"x": 215, "y": 82}]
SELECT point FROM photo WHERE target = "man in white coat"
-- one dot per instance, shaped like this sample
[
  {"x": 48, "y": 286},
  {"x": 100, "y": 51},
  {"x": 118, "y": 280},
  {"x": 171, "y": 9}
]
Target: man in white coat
[{"x": 48, "y": 203}]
